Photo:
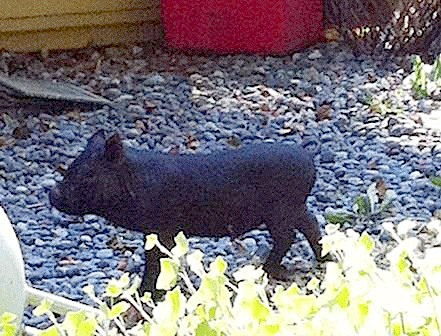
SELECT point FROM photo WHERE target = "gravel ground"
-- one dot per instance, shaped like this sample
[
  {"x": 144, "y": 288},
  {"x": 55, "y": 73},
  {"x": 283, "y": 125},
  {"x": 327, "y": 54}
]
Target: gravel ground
[{"x": 325, "y": 98}]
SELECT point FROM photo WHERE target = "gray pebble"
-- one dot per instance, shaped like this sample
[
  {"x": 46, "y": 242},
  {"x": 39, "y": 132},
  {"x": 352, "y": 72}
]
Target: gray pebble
[
  {"x": 104, "y": 254},
  {"x": 97, "y": 275},
  {"x": 136, "y": 109},
  {"x": 22, "y": 189},
  {"x": 327, "y": 156}
]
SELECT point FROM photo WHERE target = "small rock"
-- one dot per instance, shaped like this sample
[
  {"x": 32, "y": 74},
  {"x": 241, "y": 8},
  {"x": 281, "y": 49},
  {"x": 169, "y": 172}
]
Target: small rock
[
  {"x": 154, "y": 80},
  {"x": 86, "y": 238},
  {"x": 355, "y": 181},
  {"x": 22, "y": 189},
  {"x": 327, "y": 156},
  {"x": 316, "y": 54},
  {"x": 48, "y": 183},
  {"x": 399, "y": 130},
  {"x": 219, "y": 74},
  {"x": 250, "y": 244},
  {"x": 39, "y": 242},
  {"x": 132, "y": 133},
  {"x": 112, "y": 93},
  {"x": 97, "y": 275},
  {"x": 136, "y": 109},
  {"x": 104, "y": 254},
  {"x": 415, "y": 175}
]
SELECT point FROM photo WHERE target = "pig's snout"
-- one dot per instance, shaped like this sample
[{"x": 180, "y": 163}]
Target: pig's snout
[{"x": 62, "y": 201}]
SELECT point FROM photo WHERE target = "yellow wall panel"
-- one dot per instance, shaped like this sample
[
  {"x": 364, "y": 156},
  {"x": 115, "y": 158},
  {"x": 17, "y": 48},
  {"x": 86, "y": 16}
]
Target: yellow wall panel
[
  {"x": 31, "y": 8},
  {"x": 29, "y": 25}
]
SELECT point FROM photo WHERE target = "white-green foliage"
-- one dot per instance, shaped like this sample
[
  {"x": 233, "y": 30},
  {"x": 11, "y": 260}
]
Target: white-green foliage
[
  {"x": 7, "y": 324},
  {"x": 355, "y": 296},
  {"x": 425, "y": 77}
]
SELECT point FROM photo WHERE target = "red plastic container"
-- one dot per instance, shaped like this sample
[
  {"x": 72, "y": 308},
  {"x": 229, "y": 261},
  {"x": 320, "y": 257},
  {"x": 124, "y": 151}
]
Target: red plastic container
[{"x": 230, "y": 26}]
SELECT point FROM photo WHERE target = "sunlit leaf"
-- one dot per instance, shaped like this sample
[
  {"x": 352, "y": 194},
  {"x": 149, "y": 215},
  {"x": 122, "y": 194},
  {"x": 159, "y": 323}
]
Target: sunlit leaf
[
  {"x": 405, "y": 226},
  {"x": 176, "y": 300},
  {"x": 147, "y": 297},
  {"x": 194, "y": 260},
  {"x": 181, "y": 247},
  {"x": 7, "y": 324},
  {"x": 270, "y": 329},
  {"x": 204, "y": 329},
  {"x": 78, "y": 324},
  {"x": 313, "y": 284},
  {"x": 367, "y": 242},
  {"x": 118, "y": 309},
  {"x": 248, "y": 272},
  {"x": 116, "y": 287},
  {"x": 218, "y": 266},
  {"x": 51, "y": 331},
  {"x": 43, "y": 308},
  {"x": 258, "y": 310},
  {"x": 167, "y": 312},
  {"x": 7, "y": 318},
  {"x": 150, "y": 241},
  {"x": 169, "y": 274},
  {"x": 89, "y": 290},
  {"x": 342, "y": 298}
]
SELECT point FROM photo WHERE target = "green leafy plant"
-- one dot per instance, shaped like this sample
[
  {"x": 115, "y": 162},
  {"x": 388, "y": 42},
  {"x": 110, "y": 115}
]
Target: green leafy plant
[
  {"x": 419, "y": 82},
  {"x": 383, "y": 106},
  {"x": 366, "y": 207},
  {"x": 425, "y": 78},
  {"x": 354, "y": 297},
  {"x": 7, "y": 324},
  {"x": 436, "y": 180},
  {"x": 437, "y": 70}
]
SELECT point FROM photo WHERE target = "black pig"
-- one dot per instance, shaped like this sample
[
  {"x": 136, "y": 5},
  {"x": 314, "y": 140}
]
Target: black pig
[{"x": 224, "y": 193}]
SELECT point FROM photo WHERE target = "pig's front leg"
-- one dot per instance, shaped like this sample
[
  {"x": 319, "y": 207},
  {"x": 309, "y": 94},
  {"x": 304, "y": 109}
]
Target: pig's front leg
[{"x": 152, "y": 266}]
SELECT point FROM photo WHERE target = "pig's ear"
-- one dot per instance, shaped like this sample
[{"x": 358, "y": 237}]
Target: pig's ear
[
  {"x": 114, "y": 148},
  {"x": 97, "y": 140}
]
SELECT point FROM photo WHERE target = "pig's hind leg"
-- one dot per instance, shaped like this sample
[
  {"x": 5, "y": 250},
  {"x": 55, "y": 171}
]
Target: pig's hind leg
[{"x": 282, "y": 226}]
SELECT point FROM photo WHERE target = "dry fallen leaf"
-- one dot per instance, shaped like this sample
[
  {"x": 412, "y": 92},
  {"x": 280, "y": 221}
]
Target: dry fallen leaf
[
  {"x": 381, "y": 188},
  {"x": 332, "y": 35},
  {"x": 265, "y": 108},
  {"x": 62, "y": 169},
  {"x": 150, "y": 107},
  {"x": 122, "y": 265},
  {"x": 173, "y": 150},
  {"x": 2, "y": 142},
  {"x": 116, "y": 244},
  {"x": 192, "y": 142},
  {"x": 324, "y": 112},
  {"x": 76, "y": 115},
  {"x": 140, "y": 125},
  {"x": 234, "y": 141},
  {"x": 21, "y": 132},
  {"x": 371, "y": 77},
  {"x": 372, "y": 164},
  {"x": 69, "y": 260}
]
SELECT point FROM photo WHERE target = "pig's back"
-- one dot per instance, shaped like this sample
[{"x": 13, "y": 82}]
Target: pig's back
[{"x": 269, "y": 169}]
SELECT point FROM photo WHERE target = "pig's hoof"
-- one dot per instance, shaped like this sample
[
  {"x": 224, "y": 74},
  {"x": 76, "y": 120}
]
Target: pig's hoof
[
  {"x": 326, "y": 258},
  {"x": 278, "y": 272}
]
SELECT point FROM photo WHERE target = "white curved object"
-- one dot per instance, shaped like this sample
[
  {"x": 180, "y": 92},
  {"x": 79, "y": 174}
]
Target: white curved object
[{"x": 12, "y": 277}]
